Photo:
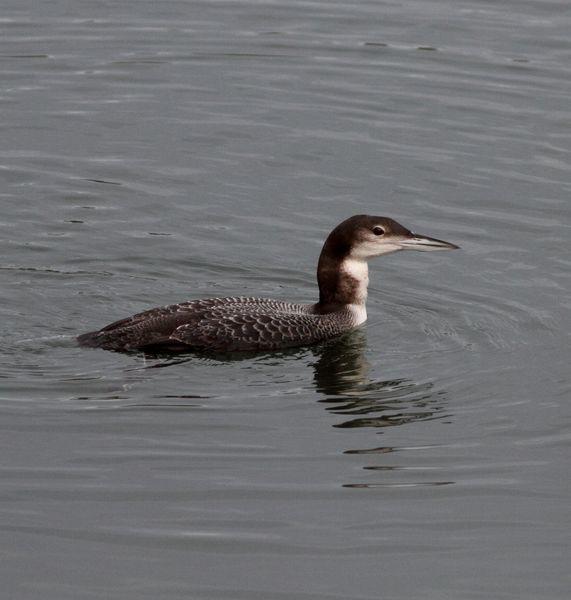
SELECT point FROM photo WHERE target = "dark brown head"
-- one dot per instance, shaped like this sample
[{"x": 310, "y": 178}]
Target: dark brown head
[
  {"x": 342, "y": 271},
  {"x": 363, "y": 236}
]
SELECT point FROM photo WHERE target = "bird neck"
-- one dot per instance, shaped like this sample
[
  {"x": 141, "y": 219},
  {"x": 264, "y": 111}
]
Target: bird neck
[{"x": 342, "y": 281}]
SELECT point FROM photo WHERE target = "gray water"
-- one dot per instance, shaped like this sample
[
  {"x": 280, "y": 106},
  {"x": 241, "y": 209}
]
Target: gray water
[{"x": 153, "y": 152}]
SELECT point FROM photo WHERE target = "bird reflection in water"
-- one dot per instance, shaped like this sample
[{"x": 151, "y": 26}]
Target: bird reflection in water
[{"x": 341, "y": 374}]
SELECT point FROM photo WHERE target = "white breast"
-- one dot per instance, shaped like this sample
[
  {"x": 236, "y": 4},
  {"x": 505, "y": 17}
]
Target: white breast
[{"x": 359, "y": 312}]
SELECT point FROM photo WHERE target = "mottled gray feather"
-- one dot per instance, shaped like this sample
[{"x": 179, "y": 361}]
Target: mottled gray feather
[
  {"x": 217, "y": 324},
  {"x": 260, "y": 330}
]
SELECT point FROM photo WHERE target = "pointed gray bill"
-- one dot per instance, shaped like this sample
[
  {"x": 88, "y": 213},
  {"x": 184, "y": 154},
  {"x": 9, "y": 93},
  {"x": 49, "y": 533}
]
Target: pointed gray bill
[{"x": 423, "y": 243}]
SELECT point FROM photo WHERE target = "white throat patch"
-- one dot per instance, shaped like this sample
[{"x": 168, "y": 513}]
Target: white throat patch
[{"x": 357, "y": 270}]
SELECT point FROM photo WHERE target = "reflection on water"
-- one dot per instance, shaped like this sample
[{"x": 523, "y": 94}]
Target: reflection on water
[
  {"x": 341, "y": 367},
  {"x": 341, "y": 374}
]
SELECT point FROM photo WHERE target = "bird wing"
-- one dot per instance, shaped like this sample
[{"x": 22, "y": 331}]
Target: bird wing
[
  {"x": 173, "y": 311},
  {"x": 182, "y": 309},
  {"x": 259, "y": 330},
  {"x": 158, "y": 325}
]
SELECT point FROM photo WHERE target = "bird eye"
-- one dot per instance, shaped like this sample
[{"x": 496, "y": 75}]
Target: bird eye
[{"x": 378, "y": 230}]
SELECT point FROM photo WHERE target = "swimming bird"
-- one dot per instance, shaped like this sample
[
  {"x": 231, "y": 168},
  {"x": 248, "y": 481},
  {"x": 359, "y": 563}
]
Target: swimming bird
[{"x": 262, "y": 324}]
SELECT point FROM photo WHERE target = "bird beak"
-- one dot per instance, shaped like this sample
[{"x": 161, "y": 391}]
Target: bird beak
[{"x": 423, "y": 243}]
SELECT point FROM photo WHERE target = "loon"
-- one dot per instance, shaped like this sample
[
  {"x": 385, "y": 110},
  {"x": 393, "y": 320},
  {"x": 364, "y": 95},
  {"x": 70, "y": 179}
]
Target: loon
[{"x": 262, "y": 324}]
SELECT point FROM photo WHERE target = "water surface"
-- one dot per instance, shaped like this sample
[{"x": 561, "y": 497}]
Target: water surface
[{"x": 156, "y": 152}]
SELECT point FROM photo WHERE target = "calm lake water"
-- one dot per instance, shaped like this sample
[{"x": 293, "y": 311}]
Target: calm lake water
[{"x": 153, "y": 152}]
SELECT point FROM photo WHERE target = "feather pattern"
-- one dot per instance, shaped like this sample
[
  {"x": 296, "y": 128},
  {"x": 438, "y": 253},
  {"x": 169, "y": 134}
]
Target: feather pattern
[
  {"x": 229, "y": 324},
  {"x": 261, "y": 330}
]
